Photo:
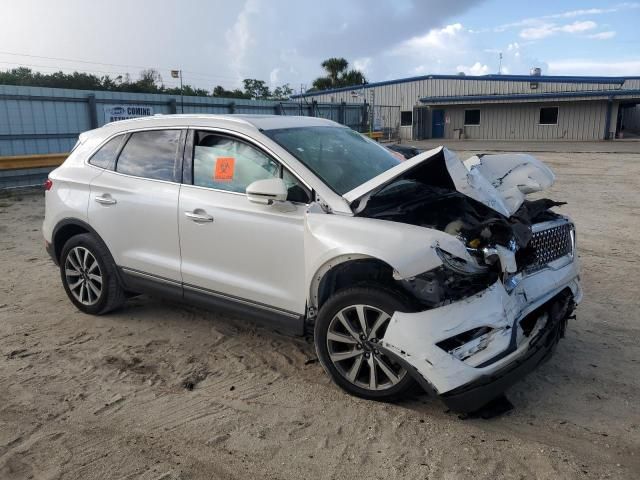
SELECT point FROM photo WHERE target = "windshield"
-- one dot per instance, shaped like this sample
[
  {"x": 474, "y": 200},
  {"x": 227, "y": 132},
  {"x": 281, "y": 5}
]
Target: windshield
[{"x": 341, "y": 157}]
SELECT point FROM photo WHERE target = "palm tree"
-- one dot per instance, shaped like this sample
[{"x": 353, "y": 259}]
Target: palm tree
[
  {"x": 352, "y": 77},
  {"x": 338, "y": 75},
  {"x": 334, "y": 67}
]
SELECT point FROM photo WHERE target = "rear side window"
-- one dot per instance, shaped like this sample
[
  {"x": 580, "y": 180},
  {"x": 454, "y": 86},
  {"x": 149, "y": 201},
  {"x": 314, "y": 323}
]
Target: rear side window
[
  {"x": 150, "y": 154},
  {"x": 106, "y": 156}
]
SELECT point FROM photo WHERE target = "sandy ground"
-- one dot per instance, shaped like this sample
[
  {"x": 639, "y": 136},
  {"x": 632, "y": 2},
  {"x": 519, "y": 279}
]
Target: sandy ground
[{"x": 104, "y": 397}]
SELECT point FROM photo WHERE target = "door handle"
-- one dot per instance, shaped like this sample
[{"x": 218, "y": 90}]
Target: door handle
[
  {"x": 105, "y": 199},
  {"x": 199, "y": 216}
]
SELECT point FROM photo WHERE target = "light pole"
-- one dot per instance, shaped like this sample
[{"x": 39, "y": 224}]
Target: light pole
[{"x": 178, "y": 74}]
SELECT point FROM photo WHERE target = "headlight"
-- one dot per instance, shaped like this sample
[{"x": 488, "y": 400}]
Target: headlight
[
  {"x": 459, "y": 265},
  {"x": 455, "y": 280}
]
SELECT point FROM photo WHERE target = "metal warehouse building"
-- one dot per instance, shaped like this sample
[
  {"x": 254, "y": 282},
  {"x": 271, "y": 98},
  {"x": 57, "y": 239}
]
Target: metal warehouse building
[{"x": 500, "y": 107}]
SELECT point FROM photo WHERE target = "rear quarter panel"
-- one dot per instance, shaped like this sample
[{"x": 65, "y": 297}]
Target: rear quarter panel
[{"x": 69, "y": 195}]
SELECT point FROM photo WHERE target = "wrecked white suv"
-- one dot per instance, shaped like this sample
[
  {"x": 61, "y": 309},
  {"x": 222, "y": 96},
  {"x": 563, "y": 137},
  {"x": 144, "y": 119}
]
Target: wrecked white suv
[{"x": 430, "y": 269}]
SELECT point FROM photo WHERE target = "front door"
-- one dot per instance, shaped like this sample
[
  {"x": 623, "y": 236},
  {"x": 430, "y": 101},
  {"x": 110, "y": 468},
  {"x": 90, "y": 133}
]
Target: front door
[
  {"x": 231, "y": 247},
  {"x": 437, "y": 123}
]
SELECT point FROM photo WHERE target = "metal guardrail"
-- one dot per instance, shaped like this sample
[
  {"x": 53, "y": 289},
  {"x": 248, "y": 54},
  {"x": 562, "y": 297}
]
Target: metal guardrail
[{"x": 27, "y": 170}]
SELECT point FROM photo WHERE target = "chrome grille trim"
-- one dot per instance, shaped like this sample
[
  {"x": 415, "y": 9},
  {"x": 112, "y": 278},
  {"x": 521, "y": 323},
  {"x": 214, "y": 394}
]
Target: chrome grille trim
[{"x": 550, "y": 241}]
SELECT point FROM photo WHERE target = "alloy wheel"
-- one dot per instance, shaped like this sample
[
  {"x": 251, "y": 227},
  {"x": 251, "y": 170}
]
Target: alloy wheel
[
  {"x": 352, "y": 343},
  {"x": 83, "y": 275}
]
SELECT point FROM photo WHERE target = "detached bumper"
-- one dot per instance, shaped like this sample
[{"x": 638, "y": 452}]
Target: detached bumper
[
  {"x": 475, "y": 394},
  {"x": 470, "y": 351}
]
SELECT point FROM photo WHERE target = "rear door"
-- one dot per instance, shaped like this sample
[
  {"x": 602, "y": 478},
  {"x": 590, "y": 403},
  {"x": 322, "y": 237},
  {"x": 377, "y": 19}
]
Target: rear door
[
  {"x": 134, "y": 202},
  {"x": 233, "y": 248}
]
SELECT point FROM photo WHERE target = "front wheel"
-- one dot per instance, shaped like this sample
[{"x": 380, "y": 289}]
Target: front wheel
[{"x": 348, "y": 329}]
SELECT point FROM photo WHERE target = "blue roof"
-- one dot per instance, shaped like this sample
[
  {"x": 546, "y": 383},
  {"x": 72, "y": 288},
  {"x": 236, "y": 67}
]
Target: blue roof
[
  {"x": 492, "y": 77},
  {"x": 530, "y": 96}
]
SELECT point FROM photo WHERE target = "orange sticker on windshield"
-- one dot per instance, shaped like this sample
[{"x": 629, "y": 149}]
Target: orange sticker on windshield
[{"x": 224, "y": 169}]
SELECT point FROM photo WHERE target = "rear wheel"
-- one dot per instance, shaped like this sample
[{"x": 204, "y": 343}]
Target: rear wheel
[
  {"x": 348, "y": 330},
  {"x": 89, "y": 275}
]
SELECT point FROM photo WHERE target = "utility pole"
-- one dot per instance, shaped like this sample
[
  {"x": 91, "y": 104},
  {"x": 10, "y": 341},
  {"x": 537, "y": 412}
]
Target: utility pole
[
  {"x": 500, "y": 65},
  {"x": 373, "y": 113},
  {"x": 364, "y": 104}
]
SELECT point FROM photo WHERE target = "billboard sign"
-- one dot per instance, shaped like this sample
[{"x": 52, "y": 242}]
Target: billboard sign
[{"x": 114, "y": 113}]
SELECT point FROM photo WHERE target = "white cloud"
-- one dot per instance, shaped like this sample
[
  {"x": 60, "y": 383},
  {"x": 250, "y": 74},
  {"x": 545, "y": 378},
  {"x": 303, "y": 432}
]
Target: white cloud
[
  {"x": 274, "y": 76},
  {"x": 256, "y": 37},
  {"x": 588, "y": 11},
  {"x": 536, "y": 33},
  {"x": 439, "y": 50},
  {"x": 362, "y": 64},
  {"x": 603, "y": 35},
  {"x": 577, "y": 27},
  {"x": 475, "y": 69},
  {"x": 537, "y": 21},
  {"x": 239, "y": 39},
  {"x": 434, "y": 38},
  {"x": 548, "y": 29},
  {"x": 594, "y": 67}
]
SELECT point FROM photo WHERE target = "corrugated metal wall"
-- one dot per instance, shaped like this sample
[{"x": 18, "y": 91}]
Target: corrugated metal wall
[
  {"x": 35, "y": 120},
  {"x": 576, "y": 121},
  {"x": 42, "y": 126},
  {"x": 408, "y": 94}
]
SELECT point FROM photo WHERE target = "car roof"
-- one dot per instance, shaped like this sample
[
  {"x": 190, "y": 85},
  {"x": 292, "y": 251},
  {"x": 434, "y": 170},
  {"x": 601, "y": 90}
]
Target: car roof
[{"x": 258, "y": 122}]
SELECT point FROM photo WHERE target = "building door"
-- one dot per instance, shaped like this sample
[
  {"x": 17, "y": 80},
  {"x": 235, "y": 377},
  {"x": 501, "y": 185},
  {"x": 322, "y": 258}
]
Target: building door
[
  {"x": 421, "y": 123},
  {"x": 437, "y": 123}
]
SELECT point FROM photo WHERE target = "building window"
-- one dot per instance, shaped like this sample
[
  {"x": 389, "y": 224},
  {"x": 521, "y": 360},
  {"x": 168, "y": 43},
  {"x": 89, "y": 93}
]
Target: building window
[
  {"x": 406, "y": 118},
  {"x": 548, "y": 116},
  {"x": 472, "y": 117}
]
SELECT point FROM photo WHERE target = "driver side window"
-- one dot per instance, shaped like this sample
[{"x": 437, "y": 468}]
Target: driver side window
[{"x": 226, "y": 164}]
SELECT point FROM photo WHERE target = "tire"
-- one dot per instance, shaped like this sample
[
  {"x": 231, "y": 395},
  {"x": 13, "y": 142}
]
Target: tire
[
  {"x": 337, "y": 348},
  {"x": 89, "y": 275}
]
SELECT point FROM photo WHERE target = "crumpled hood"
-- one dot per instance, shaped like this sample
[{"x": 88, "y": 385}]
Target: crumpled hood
[{"x": 500, "y": 182}]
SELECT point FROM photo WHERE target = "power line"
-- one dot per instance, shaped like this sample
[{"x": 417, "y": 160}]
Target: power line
[{"x": 206, "y": 75}]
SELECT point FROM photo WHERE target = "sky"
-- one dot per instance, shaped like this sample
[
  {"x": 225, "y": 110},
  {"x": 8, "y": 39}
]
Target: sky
[{"x": 219, "y": 42}]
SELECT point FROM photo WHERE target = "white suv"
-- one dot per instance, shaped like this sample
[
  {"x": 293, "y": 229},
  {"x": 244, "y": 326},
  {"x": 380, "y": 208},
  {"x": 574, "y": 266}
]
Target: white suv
[{"x": 429, "y": 269}]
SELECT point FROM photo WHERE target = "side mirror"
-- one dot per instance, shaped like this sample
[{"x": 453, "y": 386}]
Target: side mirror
[{"x": 267, "y": 191}]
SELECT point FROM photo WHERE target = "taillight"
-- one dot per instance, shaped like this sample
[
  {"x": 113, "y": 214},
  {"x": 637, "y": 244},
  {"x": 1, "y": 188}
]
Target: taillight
[{"x": 48, "y": 183}]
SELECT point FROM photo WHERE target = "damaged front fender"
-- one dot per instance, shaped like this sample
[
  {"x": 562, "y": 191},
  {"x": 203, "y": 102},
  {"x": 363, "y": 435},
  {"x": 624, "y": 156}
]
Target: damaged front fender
[{"x": 408, "y": 249}]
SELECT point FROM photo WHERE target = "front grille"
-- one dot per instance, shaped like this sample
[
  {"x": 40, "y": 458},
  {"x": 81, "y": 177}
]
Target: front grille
[{"x": 548, "y": 245}]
